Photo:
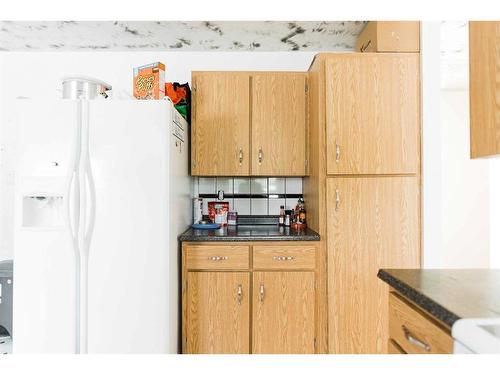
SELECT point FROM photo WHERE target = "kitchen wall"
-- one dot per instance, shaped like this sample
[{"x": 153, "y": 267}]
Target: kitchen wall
[
  {"x": 458, "y": 210},
  {"x": 38, "y": 74},
  {"x": 255, "y": 196}
]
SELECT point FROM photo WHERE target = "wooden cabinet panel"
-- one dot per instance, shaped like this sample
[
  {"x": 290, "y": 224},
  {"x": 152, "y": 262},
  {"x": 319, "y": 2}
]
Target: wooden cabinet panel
[
  {"x": 221, "y": 124},
  {"x": 394, "y": 348},
  {"x": 213, "y": 257},
  {"x": 389, "y": 36},
  {"x": 372, "y": 113},
  {"x": 373, "y": 223},
  {"x": 279, "y": 124},
  {"x": 484, "y": 82},
  {"x": 414, "y": 332},
  {"x": 218, "y": 312},
  {"x": 283, "y": 312},
  {"x": 284, "y": 257}
]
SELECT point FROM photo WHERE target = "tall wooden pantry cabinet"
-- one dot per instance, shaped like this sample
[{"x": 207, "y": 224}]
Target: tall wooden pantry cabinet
[{"x": 363, "y": 192}]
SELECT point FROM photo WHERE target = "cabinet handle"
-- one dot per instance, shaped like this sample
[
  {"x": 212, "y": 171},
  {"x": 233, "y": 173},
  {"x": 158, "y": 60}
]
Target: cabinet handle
[
  {"x": 337, "y": 152},
  {"x": 261, "y": 155},
  {"x": 280, "y": 258},
  {"x": 239, "y": 294},
  {"x": 261, "y": 293},
  {"x": 365, "y": 46},
  {"x": 413, "y": 340},
  {"x": 217, "y": 258},
  {"x": 241, "y": 156},
  {"x": 337, "y": 199}
]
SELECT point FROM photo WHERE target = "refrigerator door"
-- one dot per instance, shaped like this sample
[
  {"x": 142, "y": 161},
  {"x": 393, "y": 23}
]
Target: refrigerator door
[
  {"x": 130, "y": 253},
  {"x": 44, "y": 291}
]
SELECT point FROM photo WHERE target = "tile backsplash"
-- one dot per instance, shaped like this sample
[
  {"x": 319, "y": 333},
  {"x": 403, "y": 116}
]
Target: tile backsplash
[{"x": 256, "y": 196}]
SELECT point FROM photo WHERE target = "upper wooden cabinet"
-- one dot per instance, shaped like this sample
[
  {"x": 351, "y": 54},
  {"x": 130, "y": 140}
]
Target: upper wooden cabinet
[
  {"x": 233, "y": 110},
  {"x": 278, "y": 124},
  {"x": 484, "y": 62},
  {"x": 389, "y": 36},
  {"x": 220, "y": 126},
  {"x": 372, "y": 113}
]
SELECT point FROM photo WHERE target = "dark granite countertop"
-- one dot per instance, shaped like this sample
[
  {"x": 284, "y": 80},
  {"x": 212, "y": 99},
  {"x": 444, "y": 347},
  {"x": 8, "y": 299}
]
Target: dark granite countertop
[
  {"x": 252, "y": 232},
  {"x": 449, "y": 294}
]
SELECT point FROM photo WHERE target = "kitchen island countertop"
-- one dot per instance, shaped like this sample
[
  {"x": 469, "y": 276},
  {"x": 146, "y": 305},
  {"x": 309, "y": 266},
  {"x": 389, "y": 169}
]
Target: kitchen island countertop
[{"x": 449, "y": 294}]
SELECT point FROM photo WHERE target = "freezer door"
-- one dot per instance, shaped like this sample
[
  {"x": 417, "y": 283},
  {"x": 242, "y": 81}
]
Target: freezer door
[
  {"x": 44, "y": 288},
  {"x": 129, "y": 258}
]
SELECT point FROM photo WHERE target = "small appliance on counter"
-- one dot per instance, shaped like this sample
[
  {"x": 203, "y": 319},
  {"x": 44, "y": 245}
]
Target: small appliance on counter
[{"x": 82, "y": 87}]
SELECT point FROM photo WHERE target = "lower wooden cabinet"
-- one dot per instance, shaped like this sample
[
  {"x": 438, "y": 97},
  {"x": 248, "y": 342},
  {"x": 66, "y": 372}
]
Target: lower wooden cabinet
[
  {"x": 219, "y": 312},
  {"x": 413, "y": 331},
  {"x": 283, "y": 312},
  {"x": 229, "y": 310}
]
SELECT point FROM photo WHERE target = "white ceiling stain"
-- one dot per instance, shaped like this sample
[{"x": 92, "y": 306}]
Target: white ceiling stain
[{"x": 180, "y": 36}]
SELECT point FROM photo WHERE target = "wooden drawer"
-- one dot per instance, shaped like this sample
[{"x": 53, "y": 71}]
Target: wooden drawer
[
  {"x": 414, "y": 332},
  {"x": 389, "y": 36},
  {"x": 277, "y": 257},
  {"x": 394, "y": 348},
  {"x": 225, "y": 257}
]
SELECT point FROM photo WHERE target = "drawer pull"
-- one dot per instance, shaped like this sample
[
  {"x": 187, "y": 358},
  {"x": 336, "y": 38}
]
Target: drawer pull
[
  {"x": 217, "y": 258},
  {"x": 281, "y": 258},
  {"x": 365, "y": 46},
  {"x": 413, "y": 340},
  {"x": 239, "y": 294}
]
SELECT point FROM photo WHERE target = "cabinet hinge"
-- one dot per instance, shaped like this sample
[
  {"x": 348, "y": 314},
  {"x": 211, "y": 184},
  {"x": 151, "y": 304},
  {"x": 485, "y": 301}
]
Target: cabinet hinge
[
  {"x": 306, "y": 87},
  {"x": 315, "y": 343}
]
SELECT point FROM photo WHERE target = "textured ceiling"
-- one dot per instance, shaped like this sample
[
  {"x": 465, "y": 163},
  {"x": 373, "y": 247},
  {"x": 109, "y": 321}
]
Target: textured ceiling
[{"x": 179, "y": 36}]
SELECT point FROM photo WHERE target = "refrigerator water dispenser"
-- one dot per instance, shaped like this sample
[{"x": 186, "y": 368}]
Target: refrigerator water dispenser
[{"x": 43, "y": 211}]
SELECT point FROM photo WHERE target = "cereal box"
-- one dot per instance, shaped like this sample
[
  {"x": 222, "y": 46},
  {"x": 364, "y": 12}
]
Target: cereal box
[
  {"x": 217, "y": 212},
  {"x": 149, "y": 81}
]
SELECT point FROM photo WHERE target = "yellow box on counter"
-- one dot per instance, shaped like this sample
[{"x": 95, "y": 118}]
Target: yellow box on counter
[{"x": 149, "y": 81}]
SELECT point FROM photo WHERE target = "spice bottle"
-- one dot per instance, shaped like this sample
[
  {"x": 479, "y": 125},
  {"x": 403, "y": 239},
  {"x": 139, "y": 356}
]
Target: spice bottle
[
  {"x": 288, "y": 214},
  {"x": 282, "y": 216}
]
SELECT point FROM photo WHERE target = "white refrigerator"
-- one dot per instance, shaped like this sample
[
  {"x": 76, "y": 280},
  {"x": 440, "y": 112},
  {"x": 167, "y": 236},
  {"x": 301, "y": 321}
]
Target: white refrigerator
[{"x": 102, "y": 192}]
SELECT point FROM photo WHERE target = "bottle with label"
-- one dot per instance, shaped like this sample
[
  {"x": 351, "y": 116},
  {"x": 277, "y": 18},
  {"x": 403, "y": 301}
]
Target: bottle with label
[
  {"x": 288, "y": 217},
  {"x": 282, "y": 216}
]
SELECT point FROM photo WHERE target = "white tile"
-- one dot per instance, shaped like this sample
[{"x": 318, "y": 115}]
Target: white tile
[
  {"x": 225, "y": 184},
  {"x": 242, "y": 186},
  {"x": 290, "y": 203},
  {"x": 231, "y": 204},
  {"x": 277, "y": 185},
  {"x": 242, "y": 206},
  {"x": 258, "y": 186},
  {"x": 259, "y": 206},
  {"x": 274, "y": 206},
  {"x": 207, "y": 185},
  {"x": 205, "y": 205},
  {"x": 294, "y": 185}
]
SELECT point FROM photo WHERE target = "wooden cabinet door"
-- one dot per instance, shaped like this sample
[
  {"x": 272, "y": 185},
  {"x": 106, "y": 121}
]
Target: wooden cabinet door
[
  {"x": 279, "y": 124},
  {"x": 373, "y": 223},
  {"x": 283, "y": 312},
  {"x": 221, "y": 124},
  {"x": 372, "y": 113},
  {"x": 484, "y": 53},
  {"x": 218, "y": 312}
]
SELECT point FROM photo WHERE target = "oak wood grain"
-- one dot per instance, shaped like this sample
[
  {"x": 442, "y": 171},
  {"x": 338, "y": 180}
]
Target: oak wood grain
[
  {"x": 221, "y": 124},
  {"x": 278, "y": 124},
  {"x": 373, "y": 113},
  {"x": 217, "y": 321},
  {"x": 389, "y": 36},
  {"x": 223, "y": 257},
  {"x": 403, "y": 315},
  {"x": 283, "y": 317},
  {"x": 484, "y": 82},
  {"x": 284, "y": 257},
  {"x": 375, "y": 225}
]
